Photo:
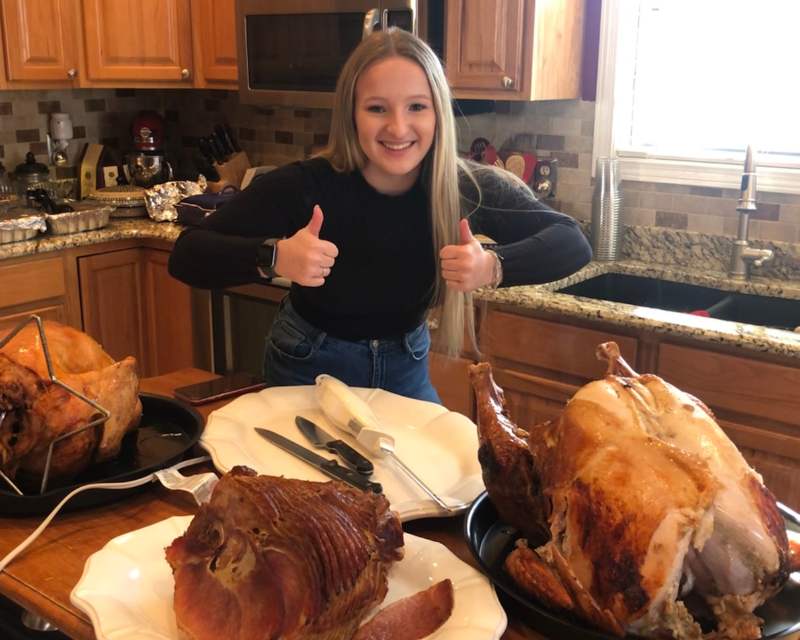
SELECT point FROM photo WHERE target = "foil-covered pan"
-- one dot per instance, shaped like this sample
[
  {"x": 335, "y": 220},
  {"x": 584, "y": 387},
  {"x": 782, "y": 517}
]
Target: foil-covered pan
[
  {"x": 17, "y": 223},
  {"x": 86, "y": 217},
  {"x": 161, "y": 199}
]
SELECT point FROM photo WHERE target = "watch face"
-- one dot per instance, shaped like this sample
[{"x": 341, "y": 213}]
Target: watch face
[{"x": 266, "y": 257}]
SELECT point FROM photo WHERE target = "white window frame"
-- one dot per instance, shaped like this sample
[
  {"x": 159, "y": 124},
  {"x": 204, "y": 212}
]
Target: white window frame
[{"x": 641, "y": 167}]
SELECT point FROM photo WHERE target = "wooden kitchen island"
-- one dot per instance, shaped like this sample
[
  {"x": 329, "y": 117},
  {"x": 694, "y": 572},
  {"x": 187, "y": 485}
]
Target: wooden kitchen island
[{"x": 42, "y": 578}]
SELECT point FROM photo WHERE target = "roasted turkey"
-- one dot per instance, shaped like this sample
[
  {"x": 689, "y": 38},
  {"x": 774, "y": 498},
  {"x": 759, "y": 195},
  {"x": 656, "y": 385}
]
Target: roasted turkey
[
  {"x": 34, "y": 411},
  {"x": 638, "y": 513}
]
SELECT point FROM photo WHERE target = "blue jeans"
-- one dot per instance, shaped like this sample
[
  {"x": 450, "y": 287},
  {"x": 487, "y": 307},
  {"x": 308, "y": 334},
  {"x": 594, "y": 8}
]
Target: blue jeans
[{"x": 297, "y": 352}]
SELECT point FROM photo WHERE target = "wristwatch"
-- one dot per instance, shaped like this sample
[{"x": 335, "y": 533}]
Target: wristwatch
[{"x": 266, "y": 256}]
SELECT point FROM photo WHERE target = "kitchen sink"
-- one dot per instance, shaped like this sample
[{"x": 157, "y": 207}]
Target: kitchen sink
[
  {"x": 780, "y": 313},
  {"x": 647, "y": 292}
]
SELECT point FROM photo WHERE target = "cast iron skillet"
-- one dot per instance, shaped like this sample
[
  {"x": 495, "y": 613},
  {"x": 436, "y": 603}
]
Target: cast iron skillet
[
  {"x": 168, "y": 429},
  {"x": 491, "y": 541}
]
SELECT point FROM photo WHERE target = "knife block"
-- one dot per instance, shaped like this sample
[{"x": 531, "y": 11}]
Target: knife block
[{"x": 230, "y": 172}]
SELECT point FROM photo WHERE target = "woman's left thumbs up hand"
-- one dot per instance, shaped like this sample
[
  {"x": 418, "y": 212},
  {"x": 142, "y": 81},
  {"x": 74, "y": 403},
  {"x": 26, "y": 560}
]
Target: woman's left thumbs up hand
[{"x": 466, "y": 266}]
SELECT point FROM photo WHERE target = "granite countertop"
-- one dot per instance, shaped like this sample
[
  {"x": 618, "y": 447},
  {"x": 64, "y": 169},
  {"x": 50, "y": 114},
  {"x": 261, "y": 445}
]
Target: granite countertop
[
  {"x": 745, "y": 336},
  {"x": 117, "y": 229},
  {"x": 703, "y": 254}
]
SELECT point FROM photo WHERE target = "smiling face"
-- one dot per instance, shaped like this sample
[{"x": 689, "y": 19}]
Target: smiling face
[{"x": 395, "y": 121}]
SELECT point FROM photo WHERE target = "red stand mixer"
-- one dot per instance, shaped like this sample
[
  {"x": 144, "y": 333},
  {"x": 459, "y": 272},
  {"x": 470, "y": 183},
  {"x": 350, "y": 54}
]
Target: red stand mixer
[{"x": 147, "y": 165}]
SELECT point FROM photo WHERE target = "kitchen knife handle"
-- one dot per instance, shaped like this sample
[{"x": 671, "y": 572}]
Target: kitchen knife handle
[
  {"x": 205, "y": 149},
  {"x": 335, "y": 470},
  {"x": 217, "y": 149},
  {"x": 224, "y": 140},
  {"x": 232, "y": 138},
  {"x": 351, "y": 456}
]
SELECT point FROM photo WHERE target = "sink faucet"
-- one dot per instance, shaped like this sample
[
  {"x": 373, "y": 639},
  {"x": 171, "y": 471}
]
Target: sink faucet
[{"x": 743, "y": 254}]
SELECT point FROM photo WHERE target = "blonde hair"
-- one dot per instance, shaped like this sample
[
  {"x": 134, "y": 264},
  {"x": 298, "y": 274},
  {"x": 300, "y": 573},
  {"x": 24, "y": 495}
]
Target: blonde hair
[{"x": 440, "y": 169}]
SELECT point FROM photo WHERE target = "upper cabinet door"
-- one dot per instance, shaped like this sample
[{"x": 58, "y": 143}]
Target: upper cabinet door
[
  {"x": 214, "y": 23},
  {"x": 514, "y": 49},
  {"x": 40, "y": 43},
  {"x": 138, "y": 40},
  {"x": 484, "y": 43}
]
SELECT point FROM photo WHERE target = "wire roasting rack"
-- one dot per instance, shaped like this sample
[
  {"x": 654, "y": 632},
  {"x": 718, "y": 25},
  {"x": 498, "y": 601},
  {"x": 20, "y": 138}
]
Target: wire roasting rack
[{"x": 95, "y": 422}]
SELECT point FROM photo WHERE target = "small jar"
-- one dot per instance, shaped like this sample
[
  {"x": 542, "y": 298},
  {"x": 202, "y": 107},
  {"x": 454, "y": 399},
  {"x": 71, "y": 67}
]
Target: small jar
[{"x": 30, "y": 173}]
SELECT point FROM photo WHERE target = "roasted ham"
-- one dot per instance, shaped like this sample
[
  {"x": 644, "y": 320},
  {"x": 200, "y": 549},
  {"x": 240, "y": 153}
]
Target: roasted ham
[
  {"x": 271, "y": 557},
  {"x": 34, "y": 411},
  {"x": 652, "y": 513}
]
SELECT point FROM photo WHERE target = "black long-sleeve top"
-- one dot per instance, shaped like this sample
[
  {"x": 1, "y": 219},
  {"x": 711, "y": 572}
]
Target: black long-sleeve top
[{"x": 381, "y": 284}]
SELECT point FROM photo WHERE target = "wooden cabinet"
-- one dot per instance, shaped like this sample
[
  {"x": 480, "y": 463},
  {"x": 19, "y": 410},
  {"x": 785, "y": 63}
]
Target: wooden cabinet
[
  {"x": 132, "y": 306},
  {"x": 756, "y": 403},
  {"x": 214, "y": 30},
  {"x": 40, "y": 43},
  {"x": 532, "y": 399},
  {"x": 514, "y": 49},
  {"x": 3, "y": 83},
  {"x": 134, "y": 40},
  {"x": 118, "y": 43},
  {"x": 450, "y": 378},
  {"x": 34, "y": 285},
  {"x": 168, "y": 316},
  {"x": 121, "y": 294},
  {"x": 112, "y": 303},
  {"x": 540, "y": 363}
]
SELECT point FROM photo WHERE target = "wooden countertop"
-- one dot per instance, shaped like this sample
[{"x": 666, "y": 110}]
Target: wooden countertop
[{"x": 41, "y": 579}]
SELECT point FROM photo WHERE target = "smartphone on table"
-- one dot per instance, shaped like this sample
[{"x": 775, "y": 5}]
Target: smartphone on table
[{"x": 231, "y": 384}]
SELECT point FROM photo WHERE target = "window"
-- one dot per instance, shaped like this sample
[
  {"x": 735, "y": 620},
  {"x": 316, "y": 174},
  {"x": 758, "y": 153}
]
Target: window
[{"x": 685, "y": 85}]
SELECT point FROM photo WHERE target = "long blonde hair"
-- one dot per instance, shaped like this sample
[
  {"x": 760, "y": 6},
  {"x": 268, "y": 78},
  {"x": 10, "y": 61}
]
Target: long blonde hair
[{"x": 440, "y": 168}]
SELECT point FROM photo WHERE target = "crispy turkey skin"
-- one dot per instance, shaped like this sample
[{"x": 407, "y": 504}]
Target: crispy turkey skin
[
  {"x": 645, "y": 501},
  {"x": 34, "y": 411}
]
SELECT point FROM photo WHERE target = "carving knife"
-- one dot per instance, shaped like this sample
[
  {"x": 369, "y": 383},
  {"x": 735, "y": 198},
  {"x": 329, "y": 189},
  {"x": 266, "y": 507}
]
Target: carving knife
[
  {"x": 328, "y": 467},
  {"x": 321, "y": 439}
]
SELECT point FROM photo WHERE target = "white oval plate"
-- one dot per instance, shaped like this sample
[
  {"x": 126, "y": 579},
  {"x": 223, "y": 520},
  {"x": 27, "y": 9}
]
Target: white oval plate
[
  {"x": 440, "y": 446},
  {"x": 126, "y": 588}
]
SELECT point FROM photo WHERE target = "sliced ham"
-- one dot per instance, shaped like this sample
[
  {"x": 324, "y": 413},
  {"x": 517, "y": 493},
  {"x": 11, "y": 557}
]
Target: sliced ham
[{"x": 414, "y": 617}]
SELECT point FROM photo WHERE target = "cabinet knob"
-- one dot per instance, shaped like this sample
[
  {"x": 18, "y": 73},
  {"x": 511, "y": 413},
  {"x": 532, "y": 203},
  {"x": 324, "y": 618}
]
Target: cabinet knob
[
  {"x": 507, "y": 82},
  {"x": 184, "y": 74},
  {"x": 72, "y": 73}
]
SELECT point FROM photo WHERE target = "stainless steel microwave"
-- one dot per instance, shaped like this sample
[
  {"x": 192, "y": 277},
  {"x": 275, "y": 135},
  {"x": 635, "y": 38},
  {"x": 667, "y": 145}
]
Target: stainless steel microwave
[{"x": 291, "y": 51}]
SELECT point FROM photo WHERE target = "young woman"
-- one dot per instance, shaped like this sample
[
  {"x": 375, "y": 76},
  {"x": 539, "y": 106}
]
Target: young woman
[{"x": 376, "y": 233}]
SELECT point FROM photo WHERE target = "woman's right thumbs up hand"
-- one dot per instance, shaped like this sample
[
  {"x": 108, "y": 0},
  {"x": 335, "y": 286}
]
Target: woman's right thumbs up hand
[{"x": 304, "y": 258}]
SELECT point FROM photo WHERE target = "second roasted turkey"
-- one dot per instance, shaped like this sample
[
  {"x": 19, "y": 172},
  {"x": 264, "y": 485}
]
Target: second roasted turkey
[{"x": 638, "y": 512}]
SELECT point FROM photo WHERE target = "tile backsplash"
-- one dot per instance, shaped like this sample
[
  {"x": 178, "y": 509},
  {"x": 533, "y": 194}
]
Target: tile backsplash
[
  {"x": 559, "y": 129},
  {"x": 97, "y": 116}
]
